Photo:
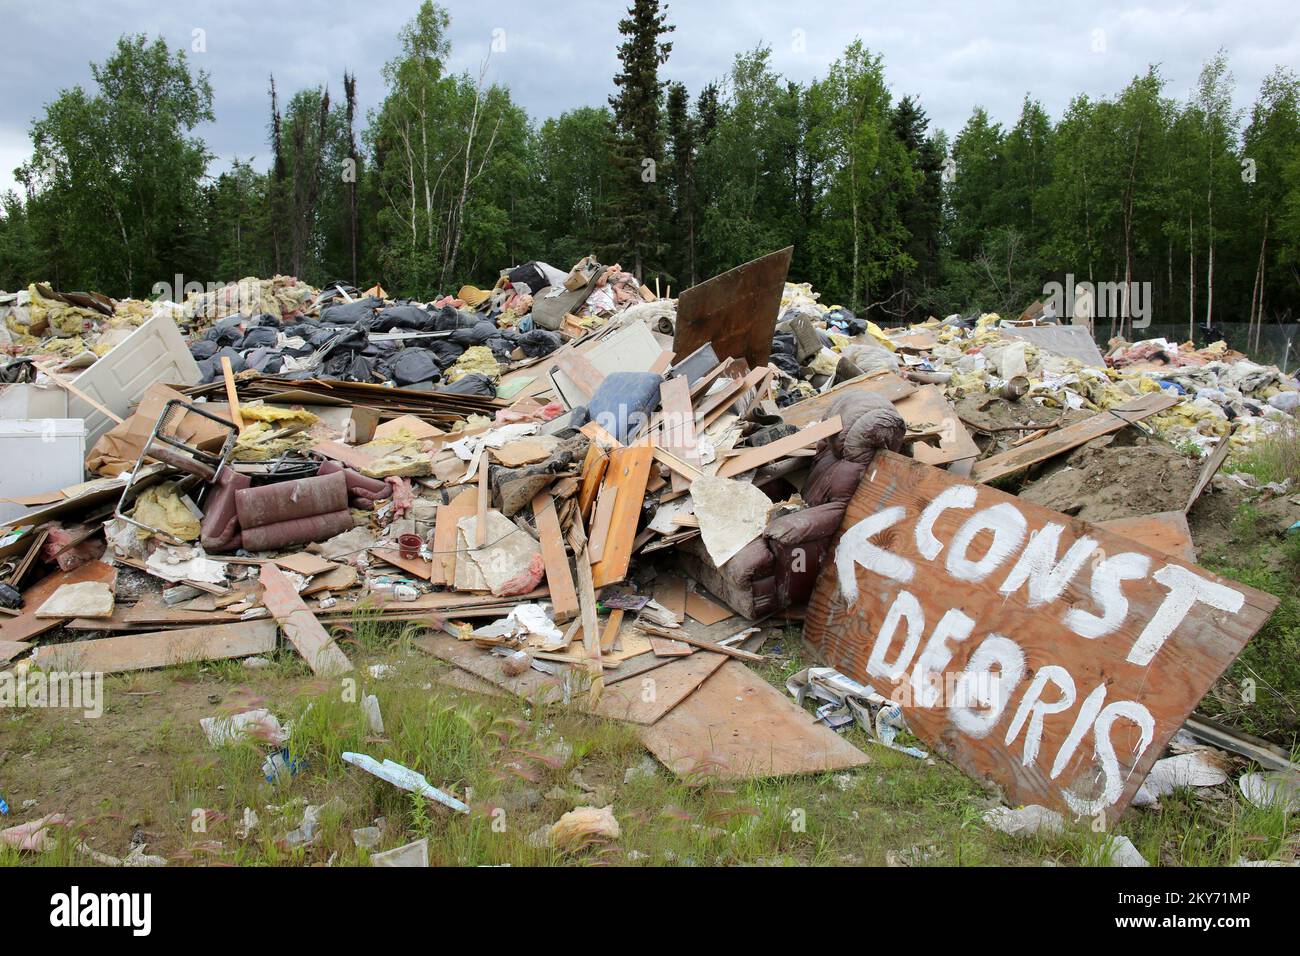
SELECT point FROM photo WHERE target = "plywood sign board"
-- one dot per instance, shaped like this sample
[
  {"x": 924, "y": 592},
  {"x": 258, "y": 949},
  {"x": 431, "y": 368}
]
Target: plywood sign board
[
  {"x": 735, "y": 311},
  {"x": 1034, "y": 649}
]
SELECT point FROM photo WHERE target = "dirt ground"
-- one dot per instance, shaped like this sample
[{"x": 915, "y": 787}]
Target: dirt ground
[{"x": 1113, "y": 478}]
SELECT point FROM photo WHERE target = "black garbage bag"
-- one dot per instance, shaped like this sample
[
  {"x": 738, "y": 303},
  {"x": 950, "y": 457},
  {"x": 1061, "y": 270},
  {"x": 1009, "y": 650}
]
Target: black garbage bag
[
  {"x": 784, "y": 343},
  {"x": 786, "y": 363},
  {"x": 477, "y": 334},
  {"x": 539, "y": 342},
  {"x": 203, "y": 349},
  {"x": 259, "y": 337},
  {"x": 528, "y": 274},
  {"x": 501, "y": 347},
  {"x": 414, "y": 365},
  {"x": 474, "y": 384},
  {"x": 409, "y": 317},
  {"x": 446, "y": 352},
  {"x": 449, "y": 317},
  {"x": 350, "y": 313},
  {"x": 223, "y": 335}
]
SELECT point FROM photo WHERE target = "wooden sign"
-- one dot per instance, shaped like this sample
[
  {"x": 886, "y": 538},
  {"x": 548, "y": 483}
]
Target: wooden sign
[{"x": 1034, "y": 649}]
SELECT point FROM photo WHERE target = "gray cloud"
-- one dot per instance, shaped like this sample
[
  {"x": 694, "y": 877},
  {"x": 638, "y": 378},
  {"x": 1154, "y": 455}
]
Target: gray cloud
[{"x": 561, "y": 55}]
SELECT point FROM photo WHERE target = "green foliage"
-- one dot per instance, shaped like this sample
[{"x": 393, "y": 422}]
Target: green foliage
[{"x": 447, "y": 181}]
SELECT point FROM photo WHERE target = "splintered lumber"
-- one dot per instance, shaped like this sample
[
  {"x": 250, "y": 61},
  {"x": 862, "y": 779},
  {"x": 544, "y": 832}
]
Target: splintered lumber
[
  {"x": 564, "y": 598},
  {"x": 680, "y": 634},
  {"x": 1071, "y": 436},
  {"x": 736, "y": 312},
  {"x": 300, "y": 626},
  {"x": 737, "y": 726},
  {"x": 593, "y": 473},
  {"x": 752, "y": 458},
  {"x": 628, "y": 472},
  {"x": 587, "y": 604},
  {"x": 138, "y": 652}
]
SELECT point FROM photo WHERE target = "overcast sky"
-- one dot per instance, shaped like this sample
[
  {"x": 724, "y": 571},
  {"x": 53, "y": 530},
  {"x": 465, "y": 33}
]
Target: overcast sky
[{"x": 561, "y": 54}]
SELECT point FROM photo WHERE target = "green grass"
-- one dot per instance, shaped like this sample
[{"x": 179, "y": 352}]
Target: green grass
[
  {"x": 1260, "y": 693},
  {"x": 521, "y": 766},
  {"x": 1275, "y": 458}
]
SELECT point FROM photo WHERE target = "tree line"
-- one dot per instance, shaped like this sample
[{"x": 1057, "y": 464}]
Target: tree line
[{"x": 448, "y": 181}]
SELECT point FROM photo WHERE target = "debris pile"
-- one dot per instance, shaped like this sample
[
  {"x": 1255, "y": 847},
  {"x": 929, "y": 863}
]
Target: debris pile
[{"x": 569, "y": 482}]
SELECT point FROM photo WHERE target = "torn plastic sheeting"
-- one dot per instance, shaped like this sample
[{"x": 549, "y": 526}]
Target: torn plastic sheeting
[{"x": 404, "y": 778}]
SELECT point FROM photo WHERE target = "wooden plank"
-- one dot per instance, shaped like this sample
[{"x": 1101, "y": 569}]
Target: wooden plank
[
  {"x": 27, "y": 624},
  {"x": 975, "y": 610},
  {"x": 754, "y": 457},
  {"x": 445, "y": 542},
  {"x": 579, "y": 369},
  {"x": 484, "y": 499},
  {"x": 629, "y": 470},
  {"x": 605, "y": 502},
  {"x": 659, "y": 692},
  {"x": 1211, "y": 468},
  {"x": 609, "y": 637},
  {"x": 232, "y": 393},
  {"x": 354, "y": 458},
  {"x": 679, "y": 421},
  {"x": 737, "y": 726},
  {"x": 138, "y": 652},
  {"x": 683, "y": 635},
  {"x": 587, "y": 608},
  {"x": 885, "y": 384},
  {"x": 1071, "y": 436},
  {"x": 11, "y": 649},
  {"x": 300, "y": 626},
  {"x": 564, "y": 599},
  {"x": 1166, "y": 532},
  {"x": 736, "y": 312}
]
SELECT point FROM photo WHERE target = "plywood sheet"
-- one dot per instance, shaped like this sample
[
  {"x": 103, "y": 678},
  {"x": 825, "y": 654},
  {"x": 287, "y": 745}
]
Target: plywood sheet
[
  {"x": 1166, "y": 532},
  {"x": 736, "y": 312},
  {"x": 738, "y": 726}
]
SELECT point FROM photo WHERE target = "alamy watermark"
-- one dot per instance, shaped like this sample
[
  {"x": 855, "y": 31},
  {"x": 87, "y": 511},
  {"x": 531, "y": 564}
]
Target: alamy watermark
[
  {"x": 62, "y": 690},
  {"x": 1086, "y": 301}
]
